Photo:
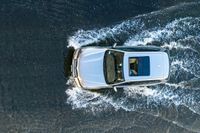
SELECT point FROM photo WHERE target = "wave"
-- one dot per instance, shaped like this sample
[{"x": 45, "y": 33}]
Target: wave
[
  {"x": 124, "y": 30},
  {"x": 82, "y": 37}
]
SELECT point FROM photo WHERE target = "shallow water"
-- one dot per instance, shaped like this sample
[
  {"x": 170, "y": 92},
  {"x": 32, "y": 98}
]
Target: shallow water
[{"x": 34, "y": 96}]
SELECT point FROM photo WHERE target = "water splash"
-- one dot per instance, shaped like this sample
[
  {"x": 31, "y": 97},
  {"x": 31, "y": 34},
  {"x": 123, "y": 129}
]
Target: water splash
[
  {"x": 174, "y": 35},
  {"x": 82, "y": 37},
  {"x": 182, "y": 38},
  {"x": 134, "y": 98},
  {"x": 172, "y": 32}
]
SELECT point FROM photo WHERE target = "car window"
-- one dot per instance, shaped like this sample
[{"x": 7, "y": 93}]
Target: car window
[
  {"x": 139, "y": 66},
  {"x": 133, "y": 66},
  {"x": 113, "y": 66},
  {"x": 140, "y": 83},
  {"x": 138, "y": 48},
  {"x": 110, "y": 67}
]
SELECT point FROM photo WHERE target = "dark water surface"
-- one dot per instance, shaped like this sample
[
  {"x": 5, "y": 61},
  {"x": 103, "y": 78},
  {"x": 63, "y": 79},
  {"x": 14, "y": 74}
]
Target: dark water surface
[{"x": 34, "y": 96}]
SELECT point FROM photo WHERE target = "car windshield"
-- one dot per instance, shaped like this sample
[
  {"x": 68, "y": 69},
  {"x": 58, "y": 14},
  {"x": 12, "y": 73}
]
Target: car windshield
[{"x": 113, "y": 66}]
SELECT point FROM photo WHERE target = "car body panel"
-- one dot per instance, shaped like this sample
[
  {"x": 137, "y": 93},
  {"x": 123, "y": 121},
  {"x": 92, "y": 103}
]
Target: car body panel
[
  {"x": 88, "y": 63},
  {"x": 158, "y": 66},
  {"x": 91, "y": 67}
]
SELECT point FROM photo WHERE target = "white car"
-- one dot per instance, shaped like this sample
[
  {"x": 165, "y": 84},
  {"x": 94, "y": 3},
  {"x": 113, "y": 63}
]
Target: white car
[{"x": 119, "y": 66}]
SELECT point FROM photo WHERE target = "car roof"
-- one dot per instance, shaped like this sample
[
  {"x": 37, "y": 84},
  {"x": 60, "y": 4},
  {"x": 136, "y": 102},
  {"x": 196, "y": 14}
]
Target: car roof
[{"x": 158, "y": 65}]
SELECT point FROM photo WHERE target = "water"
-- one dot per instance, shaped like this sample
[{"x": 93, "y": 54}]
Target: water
[{"x": 35, "y": 96}]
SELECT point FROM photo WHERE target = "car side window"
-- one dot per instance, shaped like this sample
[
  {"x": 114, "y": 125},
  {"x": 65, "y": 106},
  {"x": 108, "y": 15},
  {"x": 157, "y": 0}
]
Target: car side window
[
  {"x": 139, "y": 83},
  {"x": 126, "y": 84},
  {"x": 138, "y": 48}
]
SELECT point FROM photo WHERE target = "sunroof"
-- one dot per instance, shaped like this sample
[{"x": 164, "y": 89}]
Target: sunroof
[
  {"x": 139, "y": 66},
  {"x": 133, "y": 66}
]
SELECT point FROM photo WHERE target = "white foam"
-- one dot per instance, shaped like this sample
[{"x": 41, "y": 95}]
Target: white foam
[
  {"x": 133, "y": 98},
  {"x": 172, "y": 32},
  {"x": 175, "y": 45},
  {"x": 80, "y": 98},
  {"x": 82, "y": 37},
  {"x": 179, "y": 63},
  {"x": 145, "y": 91},
  {"x": 189, "y": 65},
  {"x": 161, "y": 95}
]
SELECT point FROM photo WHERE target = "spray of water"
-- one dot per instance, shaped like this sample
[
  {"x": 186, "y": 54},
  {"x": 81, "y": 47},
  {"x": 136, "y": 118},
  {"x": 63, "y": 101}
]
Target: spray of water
[
  {"x": 181, "y": 36},
  {"x": 173, "y": 36},
  {"x": 82, "y": 37}
]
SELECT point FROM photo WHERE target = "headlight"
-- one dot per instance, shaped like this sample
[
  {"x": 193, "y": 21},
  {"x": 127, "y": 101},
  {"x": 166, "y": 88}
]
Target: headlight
[{"x": 77, "y": 82}]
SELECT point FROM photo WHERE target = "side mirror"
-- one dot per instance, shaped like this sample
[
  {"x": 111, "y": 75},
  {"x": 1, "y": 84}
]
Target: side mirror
[
  {"x": 115, "y": 88},
  {"x": 114, "y": 45}
]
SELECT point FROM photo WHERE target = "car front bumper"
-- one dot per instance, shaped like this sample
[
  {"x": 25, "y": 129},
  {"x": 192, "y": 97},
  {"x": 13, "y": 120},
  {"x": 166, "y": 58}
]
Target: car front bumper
[{"x": 74, "y": 68}]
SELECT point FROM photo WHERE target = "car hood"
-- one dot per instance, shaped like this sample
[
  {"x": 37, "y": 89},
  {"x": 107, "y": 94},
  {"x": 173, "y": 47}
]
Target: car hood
[{"x": 91, "y": 68}]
